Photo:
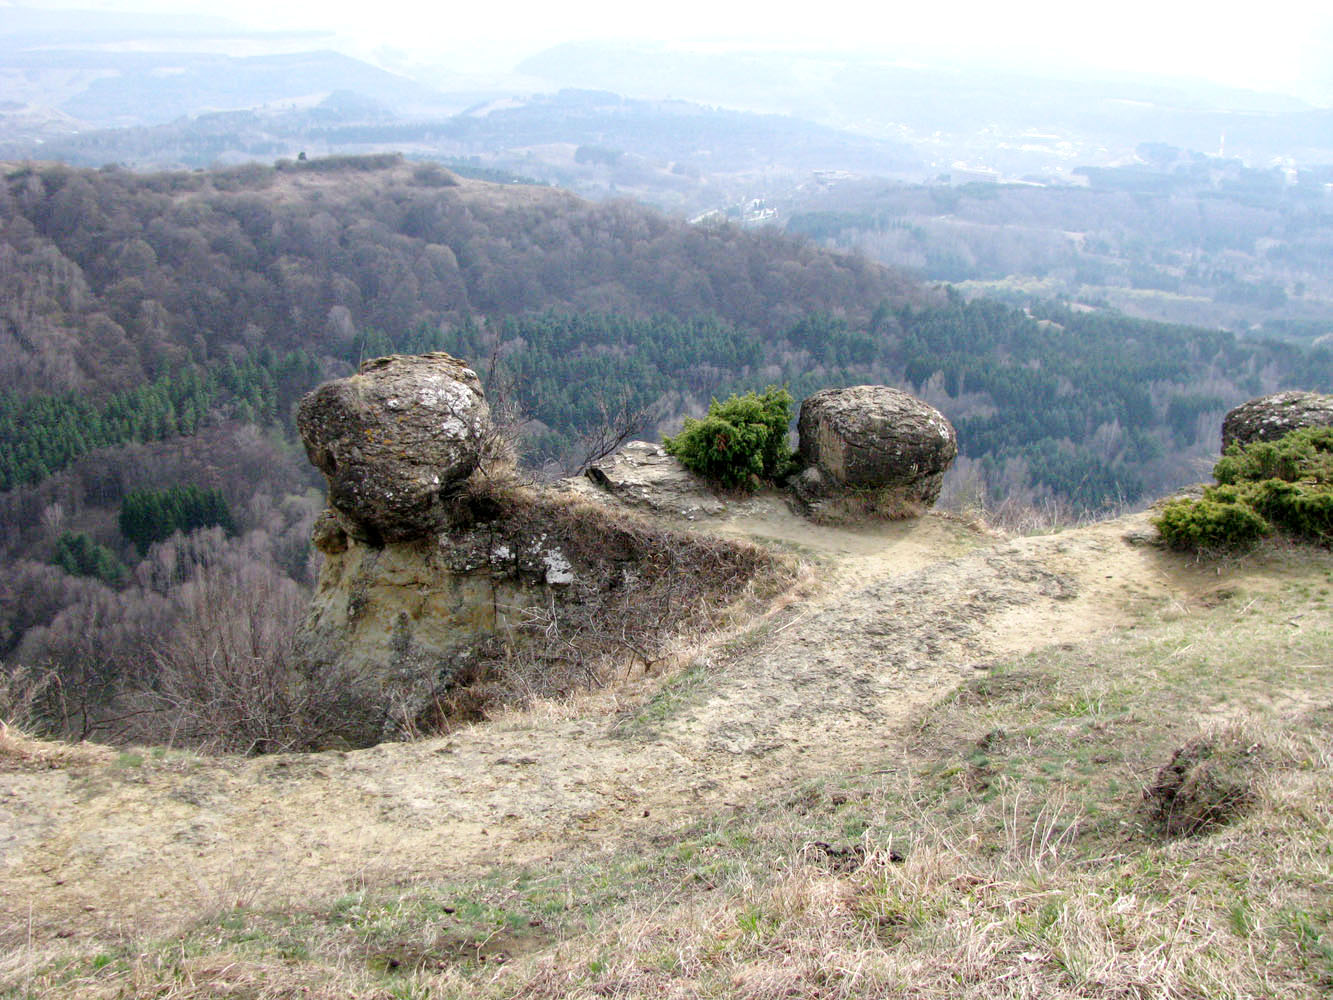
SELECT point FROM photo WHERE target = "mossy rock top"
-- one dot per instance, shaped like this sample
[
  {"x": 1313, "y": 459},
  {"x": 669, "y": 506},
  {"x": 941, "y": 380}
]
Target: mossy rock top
[{"x": 394, "y": 439}]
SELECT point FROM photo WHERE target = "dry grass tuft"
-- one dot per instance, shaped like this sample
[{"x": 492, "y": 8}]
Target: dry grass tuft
[
  {"x": 229, "y": 976},
  {"x": 20, "y": 750},
  {"x": 1209, "y": 782},
  {"x": 1021, "y": 517},
  {"x": 859, "y": 506}
]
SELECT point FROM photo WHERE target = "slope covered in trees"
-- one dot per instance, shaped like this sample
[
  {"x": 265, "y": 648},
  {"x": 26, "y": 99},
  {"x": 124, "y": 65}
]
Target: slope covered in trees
[
  {"x": 156, "y": 331},
  {"x": 143, "y": 308},
  {"x": 109, "y": 278}
]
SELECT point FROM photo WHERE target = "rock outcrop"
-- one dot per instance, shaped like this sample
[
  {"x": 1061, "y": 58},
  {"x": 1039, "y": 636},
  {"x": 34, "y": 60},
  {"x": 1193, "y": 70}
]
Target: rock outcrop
[
  {"x": 1269, "y": 417},
  {"x": 440, "y": 579},
  {"x": 394, "y": 441},
  {"x": 871, "y": 450},
  {"x": 394, "y": 628},
  {"x": 642, "y": 475},
  {"x": 532, "y": 592}
]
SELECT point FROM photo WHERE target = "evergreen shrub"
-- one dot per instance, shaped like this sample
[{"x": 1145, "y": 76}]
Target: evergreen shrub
[
  {"x": 1304, "y": 509},
  {"x": 741, "y": 442},
  {"x": 1302, "y": 454},
  {"x": 1262, "y": 487},
  {"x": 1211, "y": 523},
  {"x": 78, "y": 555}
]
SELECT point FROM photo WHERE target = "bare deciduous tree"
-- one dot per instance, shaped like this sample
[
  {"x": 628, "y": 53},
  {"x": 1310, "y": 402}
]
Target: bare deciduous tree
[
  {"x": 223, "y": 676},
  {"x": 619, "y": 422}
]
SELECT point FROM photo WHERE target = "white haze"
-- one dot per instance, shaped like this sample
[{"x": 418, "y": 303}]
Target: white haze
[{"x": 1287, "y": 48}]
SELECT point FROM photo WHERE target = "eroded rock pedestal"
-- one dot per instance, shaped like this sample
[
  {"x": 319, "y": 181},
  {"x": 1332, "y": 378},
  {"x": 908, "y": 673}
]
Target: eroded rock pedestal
[
  {"x": 1269, "y": 417},
  {"x": 871, "y": 451},
  {"x": 394, "y": 628},
  {"x": 438, "y": 575}
]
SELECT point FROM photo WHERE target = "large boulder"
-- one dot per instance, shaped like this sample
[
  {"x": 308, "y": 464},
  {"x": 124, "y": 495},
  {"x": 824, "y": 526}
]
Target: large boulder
[
  {"x": 871, "y": 450},
  {"x": 1269, "y": 417},
  {"x": 394, "y": 441}
]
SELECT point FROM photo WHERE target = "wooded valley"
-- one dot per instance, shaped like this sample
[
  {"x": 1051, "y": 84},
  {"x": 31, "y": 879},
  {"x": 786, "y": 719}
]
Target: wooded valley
[{"x": 158, "y": 330}]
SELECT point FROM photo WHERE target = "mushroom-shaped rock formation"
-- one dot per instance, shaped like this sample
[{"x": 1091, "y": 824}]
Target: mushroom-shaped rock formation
[
  {"x": 871, "y": 450},
  {"x": 1269, "y": 417},
  {"x": 434, "y": 590},
  {"x": 394, "y": 440}
]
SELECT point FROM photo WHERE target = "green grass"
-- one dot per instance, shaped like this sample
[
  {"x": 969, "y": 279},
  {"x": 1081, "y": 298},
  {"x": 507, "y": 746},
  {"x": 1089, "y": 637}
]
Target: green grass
[{"x": 680, "y": 691}]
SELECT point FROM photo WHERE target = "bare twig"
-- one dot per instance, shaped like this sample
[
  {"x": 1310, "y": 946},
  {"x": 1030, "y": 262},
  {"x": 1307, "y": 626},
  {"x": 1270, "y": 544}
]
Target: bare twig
[{"x": 618, "y": 423}]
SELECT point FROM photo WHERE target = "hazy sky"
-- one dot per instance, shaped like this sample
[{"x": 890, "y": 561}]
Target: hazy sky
[{"x": 1286, "y": 46}]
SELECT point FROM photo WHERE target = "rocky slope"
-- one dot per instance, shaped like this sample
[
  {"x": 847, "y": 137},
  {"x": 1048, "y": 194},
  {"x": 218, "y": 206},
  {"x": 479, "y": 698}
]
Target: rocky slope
[{"x": 443, "y": 572}]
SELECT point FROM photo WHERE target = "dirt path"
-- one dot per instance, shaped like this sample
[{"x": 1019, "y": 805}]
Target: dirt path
[{"x": 100, "y": 843}]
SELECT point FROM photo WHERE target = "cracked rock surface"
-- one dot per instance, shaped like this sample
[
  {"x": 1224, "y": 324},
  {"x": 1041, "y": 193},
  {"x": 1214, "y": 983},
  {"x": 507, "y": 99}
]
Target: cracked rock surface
[{"x": 880, "y": 444}]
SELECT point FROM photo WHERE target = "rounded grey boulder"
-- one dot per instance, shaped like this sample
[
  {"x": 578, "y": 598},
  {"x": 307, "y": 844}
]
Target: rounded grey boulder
[
  {"x": 880, "y": 447},
  {"x": 1269, "y": 417},
  {"x": 394, "y": 440}
]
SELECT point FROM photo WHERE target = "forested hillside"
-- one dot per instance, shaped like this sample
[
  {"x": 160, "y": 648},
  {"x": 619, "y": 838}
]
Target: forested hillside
[
  {"x": 157, "y": 330},
  {"x": 1174, "y": 236},
  {"x": 689, "y": 157},
  {"x": 146, "y": 273}
]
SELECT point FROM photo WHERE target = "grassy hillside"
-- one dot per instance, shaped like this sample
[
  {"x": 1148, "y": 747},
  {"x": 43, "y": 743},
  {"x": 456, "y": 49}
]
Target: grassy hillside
[{"x": 1095, "y": 814}]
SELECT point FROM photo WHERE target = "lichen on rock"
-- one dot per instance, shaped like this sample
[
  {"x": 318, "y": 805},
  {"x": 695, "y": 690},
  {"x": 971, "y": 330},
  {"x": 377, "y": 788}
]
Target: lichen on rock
[
  {"x": 1268, "y": 418},
  {"x": 394, "y": 441}
]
